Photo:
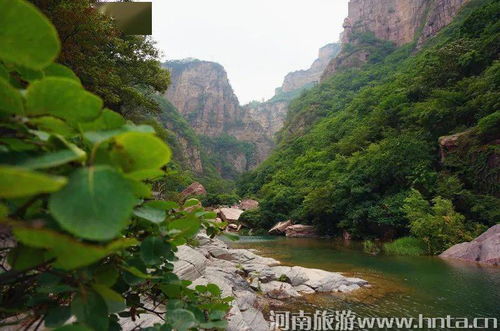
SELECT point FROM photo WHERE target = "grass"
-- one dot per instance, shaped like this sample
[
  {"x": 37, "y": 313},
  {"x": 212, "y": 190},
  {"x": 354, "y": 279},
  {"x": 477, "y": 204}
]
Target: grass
[{"x": 408, "y": 246}]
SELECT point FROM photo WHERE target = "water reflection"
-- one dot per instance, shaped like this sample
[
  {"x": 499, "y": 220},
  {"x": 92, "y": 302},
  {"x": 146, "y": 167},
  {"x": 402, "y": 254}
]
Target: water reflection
[{"x": 401, "y": 286}]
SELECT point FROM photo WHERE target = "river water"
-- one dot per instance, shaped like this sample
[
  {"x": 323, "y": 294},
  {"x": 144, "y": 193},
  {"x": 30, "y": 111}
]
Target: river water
[{"x": 401, "y": 286}]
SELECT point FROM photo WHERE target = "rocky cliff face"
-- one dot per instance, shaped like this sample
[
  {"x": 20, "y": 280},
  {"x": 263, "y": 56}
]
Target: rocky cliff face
[
  {"x": 397, "y": 21},
  {"x": 298, "y": 79},
  {"x": 271, "y": 114},
  {"x": 201, "y": 92}
]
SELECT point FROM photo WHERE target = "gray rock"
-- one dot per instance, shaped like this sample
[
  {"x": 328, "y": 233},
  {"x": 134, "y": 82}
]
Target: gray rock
[
  {"x": 280, "y": 227},
  {"x": 230, "y": 214},
  {"x": 483, "y": 249},
  {"x": 191, "y": 264},
  {"x": 279, "y": 290},
  {"x": 304, "y": 289}
]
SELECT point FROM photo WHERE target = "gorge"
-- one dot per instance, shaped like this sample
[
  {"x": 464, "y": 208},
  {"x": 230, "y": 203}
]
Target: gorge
[{"x": 139, "y": 194}]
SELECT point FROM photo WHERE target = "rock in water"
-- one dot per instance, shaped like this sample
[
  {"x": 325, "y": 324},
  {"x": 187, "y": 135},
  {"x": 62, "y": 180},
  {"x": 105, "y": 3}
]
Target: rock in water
[
  {"x": 230, "y": 215},
  {"x": 483, "y": 249},
  {"x": 194, "y": 189},
  {"x": 301, "y": 231},
  {"x": 280, "y": 227}
]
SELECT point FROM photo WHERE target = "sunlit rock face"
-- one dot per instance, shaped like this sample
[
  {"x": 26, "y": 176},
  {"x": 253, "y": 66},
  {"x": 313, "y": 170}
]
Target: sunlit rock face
[
  {"x": 201, "y": 92},
  {"x": 298, "y": 79},
  {"x": 398, "y": 21}
]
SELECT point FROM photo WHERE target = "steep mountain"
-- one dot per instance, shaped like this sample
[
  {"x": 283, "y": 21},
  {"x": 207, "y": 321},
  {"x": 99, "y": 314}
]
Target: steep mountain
[
  {"x": 236, "y": 138},
  {"x": 409, "y": 133},
  {"x": 201, "y": 92},
  {"x": 396, "y": 21},
  {"x": 271, "y": 114},
  {"x": 233, "y": 140},
  {"x": 298, "y": 79}
]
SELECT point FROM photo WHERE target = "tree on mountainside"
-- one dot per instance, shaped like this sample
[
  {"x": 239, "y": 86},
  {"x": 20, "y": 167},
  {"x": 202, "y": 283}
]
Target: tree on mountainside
[{"x": 122, "y": 69}]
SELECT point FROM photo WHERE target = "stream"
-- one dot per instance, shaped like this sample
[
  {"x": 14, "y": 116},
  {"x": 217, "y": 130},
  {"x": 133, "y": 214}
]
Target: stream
[{"x": 400, "y": 286}]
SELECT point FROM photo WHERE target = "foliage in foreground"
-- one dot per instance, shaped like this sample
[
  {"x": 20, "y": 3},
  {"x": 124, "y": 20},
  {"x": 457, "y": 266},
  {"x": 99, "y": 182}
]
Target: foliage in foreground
[{"x": 75, "y": 190}]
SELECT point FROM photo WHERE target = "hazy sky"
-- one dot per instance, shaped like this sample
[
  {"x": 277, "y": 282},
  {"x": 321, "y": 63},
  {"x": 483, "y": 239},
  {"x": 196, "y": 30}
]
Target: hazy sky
[{"x": 257, "y": 41}]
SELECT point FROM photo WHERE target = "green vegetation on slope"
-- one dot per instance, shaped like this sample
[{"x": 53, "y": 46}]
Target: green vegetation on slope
[{"x": 355, "y": 147}]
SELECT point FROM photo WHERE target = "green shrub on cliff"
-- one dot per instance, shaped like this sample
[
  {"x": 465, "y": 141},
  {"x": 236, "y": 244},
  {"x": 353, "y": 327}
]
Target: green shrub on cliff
[{"x": 76, "y": 194}]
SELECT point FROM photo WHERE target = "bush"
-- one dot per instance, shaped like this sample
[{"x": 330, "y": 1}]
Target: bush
[
  {"x": 371, "y": 247},
  {"x": 438, "y": 225},
  {"x": 222, "y": 199},
  {"x": 408, "y": 246}
]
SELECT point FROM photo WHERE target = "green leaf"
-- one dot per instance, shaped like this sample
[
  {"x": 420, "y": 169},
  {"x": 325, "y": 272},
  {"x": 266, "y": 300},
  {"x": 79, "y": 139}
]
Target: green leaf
[
  {"x": 146, "y": 174},
  {"x": 231, "y": 236},
  {"x": 164, "y": 205},
  {"x": 181, "y": 319},
  {"x": 151, "y": 214},
  {"x": 28, "y": 74},
  {"x": 135, "y": 151},
  {"x": 109, "y": 120},
  {"x": 69, "y": 253},
  {"x": 53, "y": 125},
  {"x": 114, "y": 301},
  {"x": 97, "y": 137},
  {"x": 3, "y": 72},
  {"x": 153, "y": 249},
  {"x": 63, "y": 98},
  {"x": 214, "y": 325},
  {"x": 73, "y": 327},
  {"x": 11, "y": 101},
  {"x": 23, "y": 257},
  {"x": 58, "y": 70},
  {"x": 90, "y": 309},
  {"x": 27, "y": 37},
  {"x": 53, "y": 159},
  {"x": 108, "y": 199},
  {"x": 214, "y": 289},
  {"x": 17, "y": 182},
  {"x": 106, "y": 275},
  {"x": 184, "y": 227},
  {"x": 57, "y": 316},
  {"x": 191, "y": 203}
]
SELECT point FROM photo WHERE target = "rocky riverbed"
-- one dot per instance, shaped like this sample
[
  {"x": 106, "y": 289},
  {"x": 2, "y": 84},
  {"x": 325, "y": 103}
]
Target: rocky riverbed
[{"x": 254, "y": 281}]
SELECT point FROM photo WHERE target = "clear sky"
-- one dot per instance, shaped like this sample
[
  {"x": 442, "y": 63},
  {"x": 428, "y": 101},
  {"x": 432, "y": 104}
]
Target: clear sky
[{"x": 257, "y": 41}]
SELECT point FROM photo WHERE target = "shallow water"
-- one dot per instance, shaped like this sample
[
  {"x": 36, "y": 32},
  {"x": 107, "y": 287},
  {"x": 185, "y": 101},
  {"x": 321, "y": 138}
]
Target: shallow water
[{"x": 401, "y": 286}]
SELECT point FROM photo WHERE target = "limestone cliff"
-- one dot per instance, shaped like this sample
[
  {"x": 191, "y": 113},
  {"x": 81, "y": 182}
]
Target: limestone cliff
[
  {"x": 397, "y": 21},
  {"x": 237, "y": 138},
  {"x": 271, "y": 114},
  {"x": 298, "y": 79},
  {"x": 201, "y": 92}
]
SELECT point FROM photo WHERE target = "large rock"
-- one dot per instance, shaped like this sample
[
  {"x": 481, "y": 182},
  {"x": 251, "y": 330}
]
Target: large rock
[
  {"x": 279, "y": 290},
  {"x": 248, "y": 204},
  {"x": 300, "y": 231},
  {"x": 483, "y": 249},
  {"x": 191, "y": 264},
  {"x": 230, "y": 215},
  {"x": 280, "y": 227},
  {"x": 194, "y": 189}
]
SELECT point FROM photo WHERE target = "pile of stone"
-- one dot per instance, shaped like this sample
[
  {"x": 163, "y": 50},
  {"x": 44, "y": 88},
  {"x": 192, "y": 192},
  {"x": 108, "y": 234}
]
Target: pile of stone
[
  {"x": 289, "y": 229},
  {"x": 252, "y": 279}
]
